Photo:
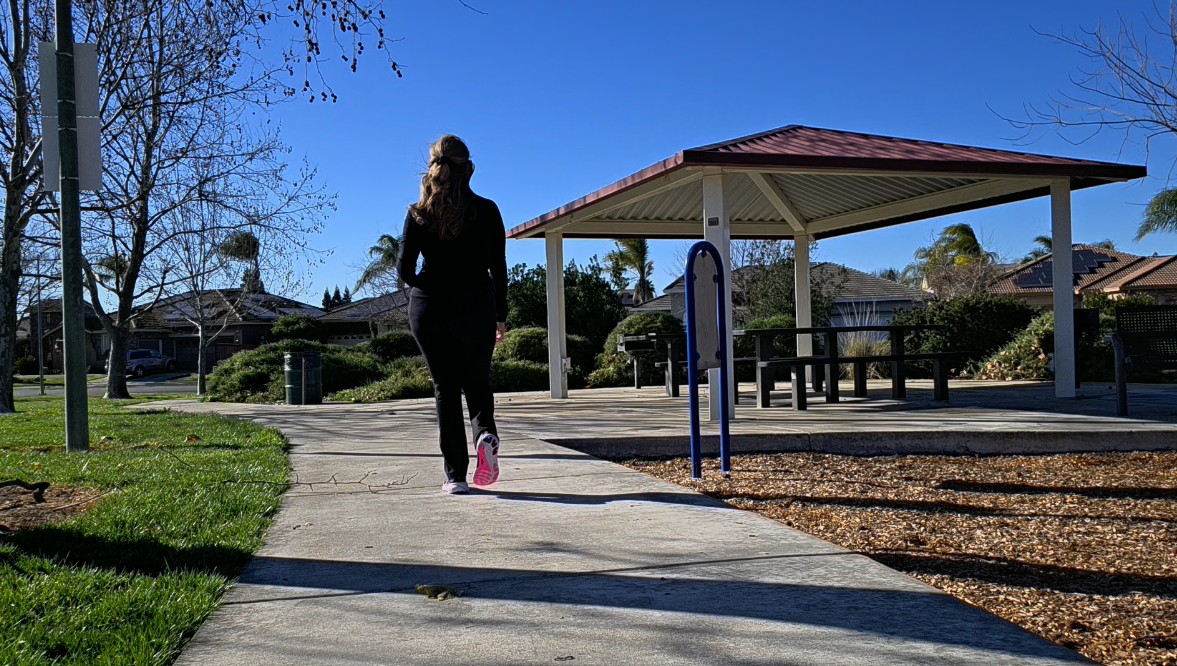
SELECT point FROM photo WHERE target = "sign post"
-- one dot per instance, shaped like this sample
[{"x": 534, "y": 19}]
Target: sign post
[{"x": 707, "y": 345}]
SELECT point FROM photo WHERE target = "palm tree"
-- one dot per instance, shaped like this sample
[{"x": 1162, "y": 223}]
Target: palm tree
[
  {"x": 633, "y": 256},
  {"x": 1161, "y": 215},
  {"x": 1043, "y": 246},
  {"x": 384, "y": 254}
]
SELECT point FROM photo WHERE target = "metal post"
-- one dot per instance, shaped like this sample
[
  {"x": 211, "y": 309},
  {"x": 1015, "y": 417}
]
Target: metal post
[
  {"x": 302, "y": 396},
  {"x": 40, "y": 336},
  {"x": 77, "y": 426}
]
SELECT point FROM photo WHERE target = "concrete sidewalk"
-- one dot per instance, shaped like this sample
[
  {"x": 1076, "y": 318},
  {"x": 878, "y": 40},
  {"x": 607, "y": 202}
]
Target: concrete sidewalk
[{"x": 568, "y": 559}]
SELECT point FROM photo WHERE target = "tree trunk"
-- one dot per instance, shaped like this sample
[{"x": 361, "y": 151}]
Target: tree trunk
[
  {"x": 116, "y": 375},
  {"x": 201, "y": 356},
  {"x": 9, "y": 286}
]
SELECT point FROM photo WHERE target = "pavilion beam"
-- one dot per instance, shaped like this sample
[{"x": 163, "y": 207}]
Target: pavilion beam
[
  {"x": 779, "y": 200},
  {"x": 557, "y": 341},
  {"x": 677, "y": 229},
  {"x": 1065, "y": 370},
  {"x": 717, "y": 230},
  {"x": 639, "y": 193},
  {"x": 953, "y": 197}
]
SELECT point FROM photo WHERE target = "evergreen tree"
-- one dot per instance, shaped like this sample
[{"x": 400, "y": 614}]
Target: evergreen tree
[
  {"x": 336, "y": 298},
  {"x": 347, "y": 294},
  {"x": 326, "y": 301}
]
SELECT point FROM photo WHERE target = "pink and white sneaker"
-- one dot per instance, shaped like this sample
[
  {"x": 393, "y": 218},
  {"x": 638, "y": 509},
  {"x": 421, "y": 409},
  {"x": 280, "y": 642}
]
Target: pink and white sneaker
[{"x": 487, "y": 450}]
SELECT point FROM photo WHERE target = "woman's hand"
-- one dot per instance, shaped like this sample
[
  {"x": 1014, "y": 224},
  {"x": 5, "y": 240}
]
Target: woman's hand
[{"x": 500, "y": 331}]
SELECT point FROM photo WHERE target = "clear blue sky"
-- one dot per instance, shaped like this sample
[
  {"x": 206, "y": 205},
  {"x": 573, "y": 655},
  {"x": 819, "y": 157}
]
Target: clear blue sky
[{"x": 557, "y": 99}]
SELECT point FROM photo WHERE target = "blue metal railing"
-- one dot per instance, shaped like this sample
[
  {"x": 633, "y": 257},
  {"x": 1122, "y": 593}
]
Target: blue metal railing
[{"x": 704, "y": 247}]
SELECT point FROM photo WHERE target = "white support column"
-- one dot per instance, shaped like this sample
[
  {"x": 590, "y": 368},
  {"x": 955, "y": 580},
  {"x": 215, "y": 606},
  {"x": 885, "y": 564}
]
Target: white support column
[
  {"x": 802, "y": 296},
  {"x": 1064, "y": 289},
  {"x": 557, "y": 342},
  {"x": 717, "y": 230}
]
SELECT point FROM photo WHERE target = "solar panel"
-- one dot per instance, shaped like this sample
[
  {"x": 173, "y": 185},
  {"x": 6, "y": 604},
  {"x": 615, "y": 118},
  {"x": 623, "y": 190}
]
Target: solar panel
[{"x": 1041, "y": 275}]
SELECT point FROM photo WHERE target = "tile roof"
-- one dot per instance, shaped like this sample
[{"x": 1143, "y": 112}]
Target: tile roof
[
  {"x": 238, "y": 306},
  {"x": 1096, "y": 269},
  {"x": 656, "y": 304},
  {"x": 367, "y": 309}
]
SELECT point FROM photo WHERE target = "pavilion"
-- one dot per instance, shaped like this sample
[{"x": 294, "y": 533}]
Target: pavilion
[{"x": 805, "y": 183}]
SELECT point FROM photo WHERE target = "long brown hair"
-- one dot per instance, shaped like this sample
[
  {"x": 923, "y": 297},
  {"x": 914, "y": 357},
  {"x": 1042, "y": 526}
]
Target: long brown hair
[{"x": 445, "y": 188}]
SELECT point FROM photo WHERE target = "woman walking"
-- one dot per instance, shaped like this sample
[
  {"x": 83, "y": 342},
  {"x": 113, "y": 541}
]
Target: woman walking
[{"x": 457, "y": 305}]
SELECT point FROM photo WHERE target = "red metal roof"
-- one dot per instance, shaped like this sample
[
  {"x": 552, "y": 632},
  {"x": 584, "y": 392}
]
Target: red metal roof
[
  {"x": 797, "y": 148},
  {"x": 797, "y": 145}
]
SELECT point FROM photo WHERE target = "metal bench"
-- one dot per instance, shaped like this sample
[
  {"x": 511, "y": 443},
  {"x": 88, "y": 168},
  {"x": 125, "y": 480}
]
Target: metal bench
[
  {"x": 1145, "y": 339},
  {"x": 830, "y": 364}
]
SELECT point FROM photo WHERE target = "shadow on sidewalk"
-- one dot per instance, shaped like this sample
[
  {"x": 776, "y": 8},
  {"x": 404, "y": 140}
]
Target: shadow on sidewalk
[{"x": 909, "y": 615}]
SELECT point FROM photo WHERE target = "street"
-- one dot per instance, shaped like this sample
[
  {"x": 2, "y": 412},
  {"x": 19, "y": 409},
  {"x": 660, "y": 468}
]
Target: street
[{"x": 161, "y": 384}]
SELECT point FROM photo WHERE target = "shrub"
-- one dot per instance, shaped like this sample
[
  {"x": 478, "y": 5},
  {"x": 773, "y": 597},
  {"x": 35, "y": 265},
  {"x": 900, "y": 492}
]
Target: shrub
[
  {"x": 531, "y": 344},
  {"x": 408, "y": 377},
  {"x": 512, "y": 376},
  {"x": 257, "y": 375},
  {"x": 298, "y": 327},
  {"x": 391, "y": 346},
  {"x": 523, "y": 344},
  {"x": 347, "y": 368},
  {"x": 1027, "y": 356},
  {"x": 979, "y": 325},
  {"x": 26, "y": 365},
  {"x": 615, "y": 368}
]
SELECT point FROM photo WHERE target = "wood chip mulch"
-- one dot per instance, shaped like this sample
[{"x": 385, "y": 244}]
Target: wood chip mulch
[
  {"x": 1080, "y": 549},
  {"x": 20, "y": 511}
]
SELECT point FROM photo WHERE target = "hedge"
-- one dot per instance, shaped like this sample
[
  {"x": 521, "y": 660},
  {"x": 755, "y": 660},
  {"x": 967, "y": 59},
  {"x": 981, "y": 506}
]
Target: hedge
[
  {"x": 615, "y": 368},
  {"x": 391, "y": 346},
  {"x": 977, "y": 325},
  {"x": 409, "y": 378},
  {"x": 298, "y": 327},
  {"x": 256, "y": 375}
]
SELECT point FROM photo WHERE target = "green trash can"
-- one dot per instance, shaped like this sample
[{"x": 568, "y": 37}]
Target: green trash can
[{"x": 304, "y": 378}]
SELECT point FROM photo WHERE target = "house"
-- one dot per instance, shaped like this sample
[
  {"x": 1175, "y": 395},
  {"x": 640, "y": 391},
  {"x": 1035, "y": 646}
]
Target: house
[
  {"x": 861, "y": 298},
  {"x": 51, "y": 334},
  {"x": 1096, "y": 271},
  {"x": 352, "y": 323},
  {"x": 235, "y": 318}
]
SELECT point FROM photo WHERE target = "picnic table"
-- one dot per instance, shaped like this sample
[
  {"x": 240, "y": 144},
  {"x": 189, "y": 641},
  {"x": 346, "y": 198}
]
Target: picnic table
[
  {"x": 828, "y": 364},
  {"x": 634, "y": 345}
]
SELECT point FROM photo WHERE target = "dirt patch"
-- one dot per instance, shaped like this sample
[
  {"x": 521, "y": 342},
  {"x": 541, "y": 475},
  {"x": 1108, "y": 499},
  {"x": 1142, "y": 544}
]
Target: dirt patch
[
  {"x": 1080, "y": 549},
  {"x": 19, "y": 509}
]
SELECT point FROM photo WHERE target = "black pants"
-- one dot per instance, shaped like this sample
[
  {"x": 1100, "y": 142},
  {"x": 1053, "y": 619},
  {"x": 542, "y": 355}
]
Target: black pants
[{"x": 456, "y": 333}]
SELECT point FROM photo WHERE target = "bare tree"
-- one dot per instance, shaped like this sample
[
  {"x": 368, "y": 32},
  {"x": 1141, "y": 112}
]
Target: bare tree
[
  {"x": 1127, "y": 87},
  {"x": 176, "y": 137},
  {"x": 22, "y": 26},
  {"x": 228, "y": 34},
  {"x": 200, "y": 257}
]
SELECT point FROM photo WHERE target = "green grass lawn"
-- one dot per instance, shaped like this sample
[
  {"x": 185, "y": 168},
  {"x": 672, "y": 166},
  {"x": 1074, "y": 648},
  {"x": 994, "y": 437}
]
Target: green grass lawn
[{"x": 130, "y": 580}]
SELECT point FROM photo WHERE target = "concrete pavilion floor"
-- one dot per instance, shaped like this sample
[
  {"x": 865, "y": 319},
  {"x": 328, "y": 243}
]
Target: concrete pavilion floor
[
  {"x": 981, "y": 417},
  {"x": 570, "y": 558}
]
